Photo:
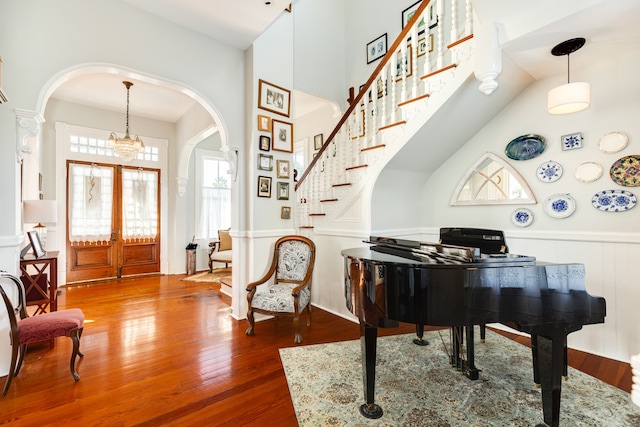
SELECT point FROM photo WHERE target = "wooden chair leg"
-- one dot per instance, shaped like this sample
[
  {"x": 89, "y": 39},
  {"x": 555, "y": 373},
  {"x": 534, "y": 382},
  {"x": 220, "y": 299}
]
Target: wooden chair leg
[
  {"x": 251, "y": 322},
  {"x": 75, "y": 338},
  {"x": 22, "y": 351},
  {"x": 309, "y": 309},
  {"x": 296, "y": 328},
  {"x": 12, "y": 368}
]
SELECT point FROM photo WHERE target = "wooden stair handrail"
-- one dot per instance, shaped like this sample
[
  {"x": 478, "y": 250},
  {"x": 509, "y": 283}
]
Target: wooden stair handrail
[{"x": 390, "y": 52}]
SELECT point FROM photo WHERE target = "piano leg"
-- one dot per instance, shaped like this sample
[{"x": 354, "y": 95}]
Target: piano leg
[
  {"x": 483, "y": 332},
  {"x": 419, "y": 334},
  {"x": 536, "y": 368},
  {"x": 470, "y": 368},
  {"x": 368, "y": 342},
  {"x": 550, "y": 356}
]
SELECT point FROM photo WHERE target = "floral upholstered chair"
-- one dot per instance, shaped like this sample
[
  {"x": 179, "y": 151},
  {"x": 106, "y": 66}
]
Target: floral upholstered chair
[{"x": 290, "y": 292}]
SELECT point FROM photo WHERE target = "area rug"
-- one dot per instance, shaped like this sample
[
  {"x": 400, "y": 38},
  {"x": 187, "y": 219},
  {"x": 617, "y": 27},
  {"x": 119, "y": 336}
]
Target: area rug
[
  {"x": 214, "y": 276},
  {"x": 415, "y": 386}
]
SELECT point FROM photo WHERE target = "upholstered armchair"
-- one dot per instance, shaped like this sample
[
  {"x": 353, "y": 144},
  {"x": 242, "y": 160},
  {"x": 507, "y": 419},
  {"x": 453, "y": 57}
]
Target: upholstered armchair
[
  {"x": 25, "y": 330},
  {"x": 221, "y": 251},
  {"x": 289, "y": 293}
]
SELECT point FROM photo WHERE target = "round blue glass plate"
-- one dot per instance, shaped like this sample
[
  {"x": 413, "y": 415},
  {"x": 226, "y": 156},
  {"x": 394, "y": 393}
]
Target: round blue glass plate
[
  {"x": 614, "y": 200},
  {"x": 525, "y": 147}
]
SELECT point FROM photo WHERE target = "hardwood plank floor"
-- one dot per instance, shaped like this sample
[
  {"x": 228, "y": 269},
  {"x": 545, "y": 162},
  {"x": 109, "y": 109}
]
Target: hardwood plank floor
[{"x": 163, "y": 351}]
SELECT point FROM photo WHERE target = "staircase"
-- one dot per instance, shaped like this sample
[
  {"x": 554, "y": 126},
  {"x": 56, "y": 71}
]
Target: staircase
[{"x": 407, "y": 88}]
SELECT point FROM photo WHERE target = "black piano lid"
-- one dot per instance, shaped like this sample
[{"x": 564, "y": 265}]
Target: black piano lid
[{"x": 444, "y": 254}]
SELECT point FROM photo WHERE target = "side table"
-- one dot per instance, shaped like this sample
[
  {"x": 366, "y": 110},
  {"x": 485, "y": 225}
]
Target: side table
[{"x": 40, "y": 279}]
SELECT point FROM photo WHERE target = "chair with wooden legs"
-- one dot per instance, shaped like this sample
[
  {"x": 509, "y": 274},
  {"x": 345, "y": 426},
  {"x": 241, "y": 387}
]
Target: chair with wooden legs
[
  {"x": 25, "y": 330},
  {"x": 290, "y": 292}
]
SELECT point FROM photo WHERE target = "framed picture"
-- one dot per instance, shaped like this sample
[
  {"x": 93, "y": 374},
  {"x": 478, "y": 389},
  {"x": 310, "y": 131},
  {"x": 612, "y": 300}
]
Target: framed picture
[
  {"x": 425, "y": 45},
  {"x": 274, "y": 98},
  {"x": 264, "y": 186},
  {"x": 318, "y": 140},
  {"x": 377, "y": 48},
  {"x": 405, "y": 70},
  {"x": 264, "y": 123},
  {"x": 281, "y": 136},
  {"x": 265, "y": 143},
  {"x": 282, "y": 169},
  {"x": 408, "y": 13},
  {"x": 265, "y": 162},
  {"x": 285, "y": 213},
  {"x": 36, "y": 245},
  {"x": 381, "y": 87},
  {"x": 283, "y": 191}
]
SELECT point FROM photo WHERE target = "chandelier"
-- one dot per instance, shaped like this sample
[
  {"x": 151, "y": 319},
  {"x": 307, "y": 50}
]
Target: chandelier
[
  {"x": 126, "y": 148},
  {"x": 570, "y": 97}
]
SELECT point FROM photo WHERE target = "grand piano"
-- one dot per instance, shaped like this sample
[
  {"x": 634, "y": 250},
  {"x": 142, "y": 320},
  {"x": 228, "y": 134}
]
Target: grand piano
[{"x": 404, "y": 280}]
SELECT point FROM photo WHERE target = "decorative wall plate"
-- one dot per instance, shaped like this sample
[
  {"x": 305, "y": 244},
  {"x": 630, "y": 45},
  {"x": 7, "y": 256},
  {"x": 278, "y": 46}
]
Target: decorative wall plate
[
  {"x": 522, "y": 217},
  {"x": 588, "y": 172},
  {"x": 626, "y": 171},
  {"x": 549, "y": 171},
  {"x": 571, "y": 141},
  {"x": 525, "y": 147},
  {"x": 614, "y": 200},
  {"x": 559, "y": 206},
  {"x": 613, "y": 142}
]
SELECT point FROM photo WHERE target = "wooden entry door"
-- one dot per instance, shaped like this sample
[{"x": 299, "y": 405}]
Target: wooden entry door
[{"x": 113, "y": 221}]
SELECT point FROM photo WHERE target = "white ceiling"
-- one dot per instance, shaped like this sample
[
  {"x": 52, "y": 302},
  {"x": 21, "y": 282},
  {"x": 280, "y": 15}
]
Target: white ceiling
[{"x": 609, "y": 26}]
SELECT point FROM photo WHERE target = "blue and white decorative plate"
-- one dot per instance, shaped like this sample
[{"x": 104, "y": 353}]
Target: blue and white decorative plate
[
  {"x": 559, "y": 206},
  {"x": 614, "y": 200},
  {"x": 549, "y": 172},
  {"x": 571, "y": 141},
  {"x": 525, "y": 147},
  {"x": 522, "y": 217}
]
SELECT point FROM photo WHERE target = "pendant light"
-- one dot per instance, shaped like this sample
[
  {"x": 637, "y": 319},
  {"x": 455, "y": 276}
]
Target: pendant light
[
  {"x": 570, "y": 97},
  {"x": 126, "y": 148}
]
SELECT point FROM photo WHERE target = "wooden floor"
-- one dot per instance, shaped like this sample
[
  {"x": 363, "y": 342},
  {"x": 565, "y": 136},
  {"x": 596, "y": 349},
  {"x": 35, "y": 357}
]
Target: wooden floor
[{"x": 163, "y": 351}]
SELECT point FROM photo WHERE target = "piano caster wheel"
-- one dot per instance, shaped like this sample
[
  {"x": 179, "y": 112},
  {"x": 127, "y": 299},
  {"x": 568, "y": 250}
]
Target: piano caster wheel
[
  {"x": 536, "y": 385},
  {"x": 420, "y": 341},
  {"x": 371, "y": 411}
]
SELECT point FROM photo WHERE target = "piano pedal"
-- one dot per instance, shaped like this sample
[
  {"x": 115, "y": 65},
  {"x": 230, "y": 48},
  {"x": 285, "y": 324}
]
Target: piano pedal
[{"x": 420, "y": 341}]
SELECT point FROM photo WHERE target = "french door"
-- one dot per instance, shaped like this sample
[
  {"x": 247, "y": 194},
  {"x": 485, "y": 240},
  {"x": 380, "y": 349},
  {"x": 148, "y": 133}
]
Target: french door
[{"x": 113, "y": 221}]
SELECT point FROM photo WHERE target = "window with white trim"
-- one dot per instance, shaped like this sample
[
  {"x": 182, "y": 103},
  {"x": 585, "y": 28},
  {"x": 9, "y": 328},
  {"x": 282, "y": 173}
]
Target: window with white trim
[{"x": 213, "y": 194}]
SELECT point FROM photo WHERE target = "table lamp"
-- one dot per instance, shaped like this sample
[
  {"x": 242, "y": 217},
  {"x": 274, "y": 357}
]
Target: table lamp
[{"x": 40, "y": 211}]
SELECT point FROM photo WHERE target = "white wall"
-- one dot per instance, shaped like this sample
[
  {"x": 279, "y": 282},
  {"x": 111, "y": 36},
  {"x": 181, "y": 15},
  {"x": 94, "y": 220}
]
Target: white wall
[
  {"x": 607, "y": 243},
  {"x": 40, "y": 40}
]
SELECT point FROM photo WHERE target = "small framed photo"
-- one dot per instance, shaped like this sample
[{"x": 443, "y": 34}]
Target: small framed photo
[
  {"x": 283, "y": 191},
  {"x": 36, "y": 245},
  {"x": 381, "y": 87},
  {"x": 282, "y": 169},
  {"x": 265, "y": 162},
  {"x": 318, "y": 140},
  {"x": 264, "y": 123},
  {"x": 265, "y": 143},
  {"x": 408, "y": 13},
  {"x": 377, "y": 48},
  {"x": 406, "y": 70},
  {"x": 571, "y": 141},
  {"x": 281, "y": 136},
  {"x": 425, "y": 45},
  {"x": 285, "y": 213},
  {"x": 264, "y": 186},
  {"x": 274, "y": 98}
]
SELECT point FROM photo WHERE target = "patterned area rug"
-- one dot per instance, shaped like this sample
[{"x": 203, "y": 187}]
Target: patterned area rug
[
  {"x": 214, "y": 276},
  {"x": 416, "y": 387}
]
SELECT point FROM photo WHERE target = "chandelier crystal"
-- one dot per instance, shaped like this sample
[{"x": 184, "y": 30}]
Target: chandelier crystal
[{"x": 126, "y": 148}]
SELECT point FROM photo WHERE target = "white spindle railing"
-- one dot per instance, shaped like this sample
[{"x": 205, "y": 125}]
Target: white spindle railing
[{"x": 372, "y": 120}]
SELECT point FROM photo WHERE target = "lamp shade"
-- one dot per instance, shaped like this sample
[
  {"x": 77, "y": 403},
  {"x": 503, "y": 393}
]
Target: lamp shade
[
  {"x": 569, "y": 98},
  {"x": 39, "y": 211}
]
